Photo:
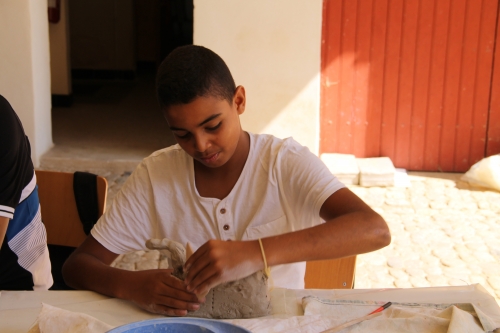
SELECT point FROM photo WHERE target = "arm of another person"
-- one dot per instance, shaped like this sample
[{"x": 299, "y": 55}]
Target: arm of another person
[
  {"x": 351, "y": 228},
  {"x": 153, "y": 290},
  {"x": 4, "y": 223}
]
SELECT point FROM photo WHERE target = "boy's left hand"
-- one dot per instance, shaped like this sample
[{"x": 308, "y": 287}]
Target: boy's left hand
[{"x": 217, "y": 261}]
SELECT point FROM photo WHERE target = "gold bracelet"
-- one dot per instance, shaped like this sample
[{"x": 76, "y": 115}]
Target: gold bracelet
[{"x": 267, "y": 270}]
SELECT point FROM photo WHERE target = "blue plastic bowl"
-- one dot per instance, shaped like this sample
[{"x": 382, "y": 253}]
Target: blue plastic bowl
[{"x": 179, "y": 325}]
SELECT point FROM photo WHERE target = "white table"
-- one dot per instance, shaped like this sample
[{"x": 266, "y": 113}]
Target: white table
[{"x": 19, "y": 309}]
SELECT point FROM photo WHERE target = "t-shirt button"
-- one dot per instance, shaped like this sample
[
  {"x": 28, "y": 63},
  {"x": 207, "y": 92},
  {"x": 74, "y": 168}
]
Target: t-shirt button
[
  {"x": 223, "y": 211},
  {"x": 226, "y": 227}
]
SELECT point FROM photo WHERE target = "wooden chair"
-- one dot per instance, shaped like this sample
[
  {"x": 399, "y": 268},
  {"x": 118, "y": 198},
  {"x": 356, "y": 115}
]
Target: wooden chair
[
  {"x": 61, "y": 219},
  {"x": 58, "y": 206},
  {"x": 330, "y": 274}
]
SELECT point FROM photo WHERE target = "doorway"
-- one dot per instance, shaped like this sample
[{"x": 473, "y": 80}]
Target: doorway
[{"x": 115, "y": 47}]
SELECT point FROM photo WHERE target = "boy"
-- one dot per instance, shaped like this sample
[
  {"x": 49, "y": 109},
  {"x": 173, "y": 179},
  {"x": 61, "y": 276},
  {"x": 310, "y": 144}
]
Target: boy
[
  {"x": 221, "y": 189},
  {"x": 24, "y": 257}
]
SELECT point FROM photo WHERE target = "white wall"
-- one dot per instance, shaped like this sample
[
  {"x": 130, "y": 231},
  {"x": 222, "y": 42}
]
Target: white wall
[
  {"x": 273, "y": 49},
  {"x": 25, "y": 68}
]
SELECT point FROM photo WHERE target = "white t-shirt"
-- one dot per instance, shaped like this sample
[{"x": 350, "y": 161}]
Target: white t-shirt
[{"x": 281, "y": 189}]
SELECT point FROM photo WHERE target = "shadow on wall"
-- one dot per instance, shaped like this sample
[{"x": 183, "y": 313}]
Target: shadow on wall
[{"x": 273, "y": 49}]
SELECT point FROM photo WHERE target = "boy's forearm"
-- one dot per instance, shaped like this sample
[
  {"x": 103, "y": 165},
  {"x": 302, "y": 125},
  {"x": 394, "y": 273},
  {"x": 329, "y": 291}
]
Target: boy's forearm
[
  {"x": 85, "y": 272},
  {"x": 350, "y": 234},
  {"x": 4, "y": 223},
  {"x": 219, "y": 261},
  {"x": 351, "y": 228},
  {"x": 153, "y": 290}
]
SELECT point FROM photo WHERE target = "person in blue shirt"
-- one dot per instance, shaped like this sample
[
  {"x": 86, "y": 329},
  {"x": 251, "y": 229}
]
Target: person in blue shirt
[{"x": 24, "y": 257}]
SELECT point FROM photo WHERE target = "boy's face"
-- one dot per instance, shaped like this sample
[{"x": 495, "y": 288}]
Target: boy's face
[{"x": 208, "y": 128}]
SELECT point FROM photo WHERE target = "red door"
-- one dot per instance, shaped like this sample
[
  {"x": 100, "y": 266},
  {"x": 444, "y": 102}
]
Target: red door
[{"x": 411, "y": 80}]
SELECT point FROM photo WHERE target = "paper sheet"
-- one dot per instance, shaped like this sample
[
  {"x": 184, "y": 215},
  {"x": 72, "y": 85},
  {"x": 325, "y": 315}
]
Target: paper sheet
[
  {"x": 55, "y": 320},
  {"x": 402, "y": 317}
]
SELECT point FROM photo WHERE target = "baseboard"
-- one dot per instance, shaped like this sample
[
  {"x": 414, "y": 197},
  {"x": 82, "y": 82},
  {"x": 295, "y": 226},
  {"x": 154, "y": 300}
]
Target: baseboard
[{"x": 64, "y": 101}]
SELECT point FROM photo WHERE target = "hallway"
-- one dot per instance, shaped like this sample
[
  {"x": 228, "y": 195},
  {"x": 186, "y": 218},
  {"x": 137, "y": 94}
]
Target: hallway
[{"x": 110, "y": 123}]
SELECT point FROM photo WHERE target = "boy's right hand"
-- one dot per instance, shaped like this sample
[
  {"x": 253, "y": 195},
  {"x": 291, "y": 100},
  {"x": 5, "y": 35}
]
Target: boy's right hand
[
  {"x": 160, "y": 292},
  {"x": 153, "y": 290}
]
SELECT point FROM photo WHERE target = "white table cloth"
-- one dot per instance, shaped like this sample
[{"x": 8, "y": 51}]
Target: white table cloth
[{"x": 19, "y": 309}]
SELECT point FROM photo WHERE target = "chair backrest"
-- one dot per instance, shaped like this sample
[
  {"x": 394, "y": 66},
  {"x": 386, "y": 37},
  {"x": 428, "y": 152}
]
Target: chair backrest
[
  {"x": 58, "y": 206},
  {"x": 330, "y": 274}
]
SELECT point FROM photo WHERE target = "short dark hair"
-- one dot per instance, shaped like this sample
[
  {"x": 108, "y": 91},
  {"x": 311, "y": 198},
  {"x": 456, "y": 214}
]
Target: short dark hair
[{"x": 193, "y": 71}]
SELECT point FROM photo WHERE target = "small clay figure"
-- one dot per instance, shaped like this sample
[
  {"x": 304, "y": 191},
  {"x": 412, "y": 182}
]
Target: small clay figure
[{"x": 244, "y": 298}]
